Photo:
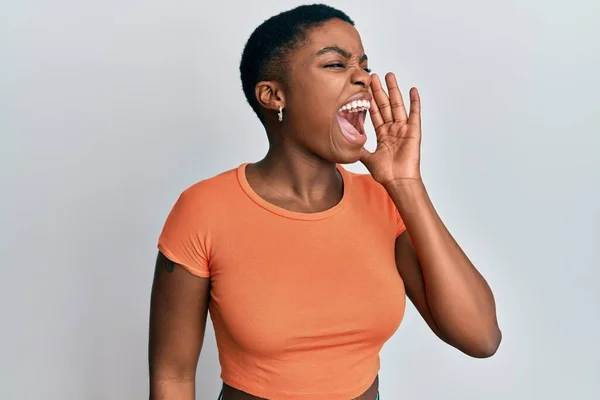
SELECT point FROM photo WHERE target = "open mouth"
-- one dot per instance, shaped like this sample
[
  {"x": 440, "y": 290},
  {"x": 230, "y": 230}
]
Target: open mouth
[{"x": 351, "y": 118}]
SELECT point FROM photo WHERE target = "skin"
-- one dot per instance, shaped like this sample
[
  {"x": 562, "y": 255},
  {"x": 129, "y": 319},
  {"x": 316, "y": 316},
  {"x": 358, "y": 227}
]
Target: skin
[{"x": 298, "y": 173}]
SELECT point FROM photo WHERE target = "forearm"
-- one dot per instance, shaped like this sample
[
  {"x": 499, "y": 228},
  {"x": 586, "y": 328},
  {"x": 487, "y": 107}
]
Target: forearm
[{"x": 459, "y": 298}]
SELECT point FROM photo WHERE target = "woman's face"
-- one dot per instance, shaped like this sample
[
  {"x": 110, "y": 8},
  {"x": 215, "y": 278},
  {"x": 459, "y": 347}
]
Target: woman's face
[{"x": 327, "y": 93}]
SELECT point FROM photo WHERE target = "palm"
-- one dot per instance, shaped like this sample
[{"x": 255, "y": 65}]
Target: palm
[{"x": 397, "y": 155}]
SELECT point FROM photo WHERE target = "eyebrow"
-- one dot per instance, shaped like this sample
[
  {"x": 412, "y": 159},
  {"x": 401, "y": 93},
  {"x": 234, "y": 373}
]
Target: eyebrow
[{"x": 340, "y": 51}]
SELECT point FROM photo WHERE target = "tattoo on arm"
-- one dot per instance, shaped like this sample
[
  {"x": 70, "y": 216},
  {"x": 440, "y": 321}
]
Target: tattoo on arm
[{"x": 163, "y": 262}]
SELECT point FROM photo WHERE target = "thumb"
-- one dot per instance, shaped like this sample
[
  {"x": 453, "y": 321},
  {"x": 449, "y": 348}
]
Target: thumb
[{"x": 365, "y": 157}]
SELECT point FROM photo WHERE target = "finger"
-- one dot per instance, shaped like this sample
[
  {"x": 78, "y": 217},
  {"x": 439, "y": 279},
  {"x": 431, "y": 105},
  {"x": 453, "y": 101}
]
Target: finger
[
  {"x": 381, "y": 99},
  {"x": 415, "y": 107},
  {"x": 396, "y": 100},
  {"x": 376, "y": 117}
]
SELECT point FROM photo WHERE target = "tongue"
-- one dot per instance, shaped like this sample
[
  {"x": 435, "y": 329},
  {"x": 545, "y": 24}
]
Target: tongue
[{"x": 350, "y": 132}]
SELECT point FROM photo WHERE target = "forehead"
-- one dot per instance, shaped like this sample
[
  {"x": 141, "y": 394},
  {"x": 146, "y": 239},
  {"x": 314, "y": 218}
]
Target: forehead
[{"x": 334, "y": 33}]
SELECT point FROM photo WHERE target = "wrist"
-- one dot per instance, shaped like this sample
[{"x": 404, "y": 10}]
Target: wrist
[
  {"x": 407, "y": 194},
  {"x": 402, "y": 185}
]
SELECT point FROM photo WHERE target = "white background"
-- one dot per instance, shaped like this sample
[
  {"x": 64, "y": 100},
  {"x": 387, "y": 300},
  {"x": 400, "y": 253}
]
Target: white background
[{"x": 109, "y": 109}]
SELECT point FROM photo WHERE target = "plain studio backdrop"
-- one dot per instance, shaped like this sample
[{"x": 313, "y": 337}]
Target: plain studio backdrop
[{"x": 109, "y": 109}]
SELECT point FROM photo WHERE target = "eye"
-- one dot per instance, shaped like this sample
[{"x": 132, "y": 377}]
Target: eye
[{"x": 341, "y": 65}]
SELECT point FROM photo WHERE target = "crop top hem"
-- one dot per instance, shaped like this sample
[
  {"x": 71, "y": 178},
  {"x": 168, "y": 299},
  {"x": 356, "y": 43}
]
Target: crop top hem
[{"x": 267, "y": 394}]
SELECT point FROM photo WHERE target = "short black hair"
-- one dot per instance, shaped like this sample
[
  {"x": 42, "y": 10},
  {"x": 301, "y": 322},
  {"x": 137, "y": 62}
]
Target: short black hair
[{"x": 265, "y": 52}]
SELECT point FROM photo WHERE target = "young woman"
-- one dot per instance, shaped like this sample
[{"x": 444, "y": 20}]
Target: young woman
[{"x": 304, "y": 265}]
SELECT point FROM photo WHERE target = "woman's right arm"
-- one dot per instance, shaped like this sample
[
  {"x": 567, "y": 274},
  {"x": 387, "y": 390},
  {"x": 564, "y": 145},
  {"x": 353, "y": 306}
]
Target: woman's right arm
[{"x": 178, "y": 311}]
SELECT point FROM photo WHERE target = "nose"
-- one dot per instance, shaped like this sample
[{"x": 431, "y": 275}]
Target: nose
[{"x": 361, "y": 77}]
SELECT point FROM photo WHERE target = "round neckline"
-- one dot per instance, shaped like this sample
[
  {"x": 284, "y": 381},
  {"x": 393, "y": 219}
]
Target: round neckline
[{"x": 283, "y": 212}]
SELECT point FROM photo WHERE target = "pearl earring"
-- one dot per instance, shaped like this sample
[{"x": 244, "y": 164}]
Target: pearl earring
[{"x": 280, "y": 114}]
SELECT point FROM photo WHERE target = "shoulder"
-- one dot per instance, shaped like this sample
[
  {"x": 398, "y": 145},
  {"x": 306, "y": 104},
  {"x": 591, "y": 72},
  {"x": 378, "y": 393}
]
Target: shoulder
[
  {"x": 365, "y": 184},
  {"x": 368, "y": 194},
  {"x": 189, "y": 228},
  {"x": 205, "y": 197},
  {"x": 223, "y": 181},
  {"x": 211, "y": 190}
]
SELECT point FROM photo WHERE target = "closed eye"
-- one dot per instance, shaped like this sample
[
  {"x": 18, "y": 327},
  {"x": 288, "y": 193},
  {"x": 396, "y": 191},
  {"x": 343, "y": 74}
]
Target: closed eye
[{"x": 340, "y": 65}]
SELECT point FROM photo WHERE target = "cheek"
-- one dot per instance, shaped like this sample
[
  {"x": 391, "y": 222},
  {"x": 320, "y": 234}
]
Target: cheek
[
  {"x": 322, "y": 97},
  {"x": 313, "y": 109},
  {"x": 314, "y": 99},
  {"x": 320, "y": 86}
]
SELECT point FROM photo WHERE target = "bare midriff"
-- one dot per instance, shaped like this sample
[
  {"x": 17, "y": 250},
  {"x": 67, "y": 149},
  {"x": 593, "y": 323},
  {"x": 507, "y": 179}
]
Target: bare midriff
[{"x": 230, "y": 393}]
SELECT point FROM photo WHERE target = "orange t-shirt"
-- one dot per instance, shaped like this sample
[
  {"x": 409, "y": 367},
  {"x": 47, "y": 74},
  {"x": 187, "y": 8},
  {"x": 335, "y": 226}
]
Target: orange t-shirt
[{"x": 301, "y": 303}]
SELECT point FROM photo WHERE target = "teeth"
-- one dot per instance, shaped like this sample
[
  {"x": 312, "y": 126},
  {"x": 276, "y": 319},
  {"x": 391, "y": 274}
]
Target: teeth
[{"x": 356, "y": 106}]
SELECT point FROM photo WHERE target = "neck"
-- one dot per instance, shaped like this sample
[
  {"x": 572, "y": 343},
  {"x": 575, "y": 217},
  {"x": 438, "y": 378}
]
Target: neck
[{"x": 298, "y": 174}]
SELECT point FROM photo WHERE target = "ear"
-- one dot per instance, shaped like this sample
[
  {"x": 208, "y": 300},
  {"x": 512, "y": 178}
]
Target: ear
[{"x": 270, "y": 95}]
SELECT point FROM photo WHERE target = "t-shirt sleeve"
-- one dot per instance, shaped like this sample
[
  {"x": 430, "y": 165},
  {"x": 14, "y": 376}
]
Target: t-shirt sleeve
[
  {"x": 400, "y": 227},
  {"x": 398, "y": 222},
  {"x": 183, "y": 237}
]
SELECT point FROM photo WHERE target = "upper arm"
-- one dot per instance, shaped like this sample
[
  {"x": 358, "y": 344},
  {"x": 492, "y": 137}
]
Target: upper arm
[
  {"x": 178, "y": 312},
  {"x": 409, "y": 268}
]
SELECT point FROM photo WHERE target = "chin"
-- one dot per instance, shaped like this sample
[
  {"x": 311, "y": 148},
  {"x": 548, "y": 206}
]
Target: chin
[{"x": 346, "y": 157}]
